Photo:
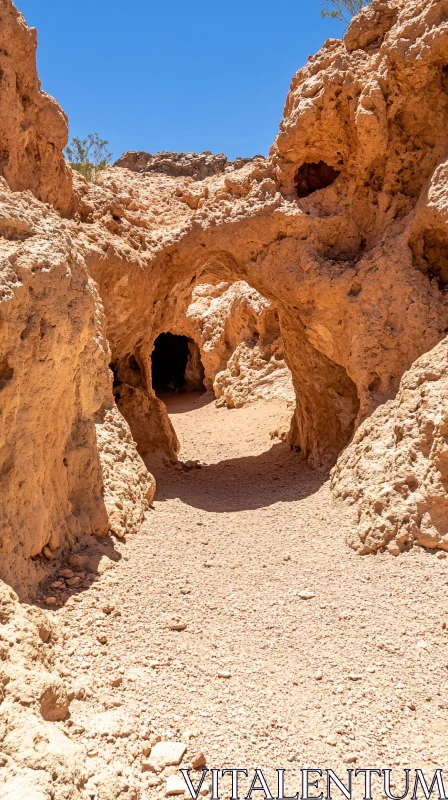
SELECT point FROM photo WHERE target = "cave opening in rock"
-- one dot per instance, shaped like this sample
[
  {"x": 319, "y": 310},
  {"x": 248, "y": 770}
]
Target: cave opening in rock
[
  {"x": 430, "y": 255},
  {"x": 176, "y": 364},
  {"x": 312, "y": 176}
]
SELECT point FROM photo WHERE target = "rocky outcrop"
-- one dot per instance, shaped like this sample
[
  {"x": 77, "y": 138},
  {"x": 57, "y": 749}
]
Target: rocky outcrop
[
  {"x": 336, "y": 229},
  {"x": 396, "y": 470},
  {"x": 68, "y": 464},
  {"x": 33, "y": 128},
  {"x": 342, "y": 230},
  {"x": 191, "y": 165},
  {"x": 238, "y": 334},
  {"x": 340, "y": 238}
]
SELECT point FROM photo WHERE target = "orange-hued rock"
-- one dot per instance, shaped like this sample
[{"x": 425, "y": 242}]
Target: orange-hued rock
[
  {"x": 334, "y": 229},
  {"x": 396, "y": 469},
  {"x": 323, "y": 268},
  {"x": 69, "y": 465},
  {"x": 33, "y": 127},
  {"x": 340, "y": 234},
  {"x": 238, "y": 334}
]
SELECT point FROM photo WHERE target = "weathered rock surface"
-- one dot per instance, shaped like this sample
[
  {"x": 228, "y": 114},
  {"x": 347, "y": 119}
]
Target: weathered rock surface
[
  {"x": 334, "y": 229},
  {"x": 33, "y": 128},
  {"x": 68, "y": 462},
  {"x": 192, "y": 165},
  {"x": 343, "y": 230},
  {"x": 396, "y": 469},
  {"x": 238, "y": 334}
]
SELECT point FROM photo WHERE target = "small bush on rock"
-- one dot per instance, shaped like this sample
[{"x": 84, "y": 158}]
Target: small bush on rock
[
  {"x": 88, "y": 156},
  {"x": 343, "y": 10}
]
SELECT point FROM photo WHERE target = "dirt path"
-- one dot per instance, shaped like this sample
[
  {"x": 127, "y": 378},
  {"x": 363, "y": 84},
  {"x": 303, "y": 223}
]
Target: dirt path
[{"x": 356, "y": 675}]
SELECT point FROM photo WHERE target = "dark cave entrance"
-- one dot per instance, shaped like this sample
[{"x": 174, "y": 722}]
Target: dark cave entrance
[{"x": 176, "y": 365}]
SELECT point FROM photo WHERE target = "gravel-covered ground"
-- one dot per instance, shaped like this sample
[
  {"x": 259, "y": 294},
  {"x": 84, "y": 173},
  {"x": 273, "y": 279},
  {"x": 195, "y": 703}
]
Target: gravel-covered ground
[{"x": 352, "y": 674}]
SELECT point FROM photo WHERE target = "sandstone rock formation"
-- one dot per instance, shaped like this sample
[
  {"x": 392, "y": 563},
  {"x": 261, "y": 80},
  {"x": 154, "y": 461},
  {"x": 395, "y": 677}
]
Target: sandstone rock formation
[
  {"x": 342, "y": 230},
  {"x": 238, "y": 334},
  {"x": 33, "y": 128},
  {"x": 328, "y": 257},
  {"x": 192, "y": 165},
  {"x": 396, "y": 469},
  {"x": 68, "y": 462},
  {"x": 350, "y": 266}
]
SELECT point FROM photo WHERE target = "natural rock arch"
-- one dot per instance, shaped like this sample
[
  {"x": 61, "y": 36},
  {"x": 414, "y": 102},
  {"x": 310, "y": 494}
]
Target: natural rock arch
[
  {"x": 356, "y": 268},
  {"x": 327, "y": 400}
]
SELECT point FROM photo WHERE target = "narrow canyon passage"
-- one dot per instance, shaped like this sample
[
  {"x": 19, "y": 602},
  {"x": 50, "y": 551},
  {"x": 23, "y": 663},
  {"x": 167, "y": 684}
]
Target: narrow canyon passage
[{"x": 240, "y": 623}]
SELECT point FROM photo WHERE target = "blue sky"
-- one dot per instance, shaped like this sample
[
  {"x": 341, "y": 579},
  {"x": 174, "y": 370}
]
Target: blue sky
[{"x": 175, "y": 75}]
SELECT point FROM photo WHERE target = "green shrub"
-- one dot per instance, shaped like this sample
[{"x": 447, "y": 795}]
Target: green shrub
[
  {"x": 343, "y": 10},
  {"x": 88, "y": 156}
]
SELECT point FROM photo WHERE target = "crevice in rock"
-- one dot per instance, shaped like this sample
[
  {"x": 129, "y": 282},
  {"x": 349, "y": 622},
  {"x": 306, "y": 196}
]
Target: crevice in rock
[
  {"x": 6, "y": 373},
  {"x": 430, "y": 254},
  {"x": 312, "y": 176}
]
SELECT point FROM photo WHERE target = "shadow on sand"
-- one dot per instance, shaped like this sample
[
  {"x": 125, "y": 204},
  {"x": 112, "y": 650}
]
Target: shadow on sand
[{"x": 239, "y": 484}]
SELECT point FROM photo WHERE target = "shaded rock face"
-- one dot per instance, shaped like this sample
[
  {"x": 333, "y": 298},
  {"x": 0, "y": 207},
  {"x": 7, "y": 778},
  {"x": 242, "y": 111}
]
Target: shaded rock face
[
  {"x": 192, "y": 165},
  {"x": 238, "y": 335},
  {"x": 63, "y": 444}
]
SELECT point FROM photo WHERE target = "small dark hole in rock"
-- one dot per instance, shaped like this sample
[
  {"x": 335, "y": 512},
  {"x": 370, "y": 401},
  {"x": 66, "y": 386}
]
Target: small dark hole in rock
[
  {"x": 355, "y": 289},
  {"x": 6, "y": 373},
  {"x": 430, "y": 252},
  {"x": 312, "y": 176},
  {"x": 375, "y": 384}
]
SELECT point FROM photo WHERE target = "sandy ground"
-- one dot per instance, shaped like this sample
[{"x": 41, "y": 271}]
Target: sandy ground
[{"x": 354, "y": 676}]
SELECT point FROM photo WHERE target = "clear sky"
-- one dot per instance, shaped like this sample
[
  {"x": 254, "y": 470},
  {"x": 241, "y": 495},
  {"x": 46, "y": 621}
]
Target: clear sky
[{"x": 175, "y": 74}]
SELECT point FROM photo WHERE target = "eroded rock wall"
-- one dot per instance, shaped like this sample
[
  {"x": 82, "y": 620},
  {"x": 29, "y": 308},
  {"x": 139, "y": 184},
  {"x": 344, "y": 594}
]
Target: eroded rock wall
[
  {"x": 342, "y": 229},
  {"x": 396, "y": 470},
  {"x": 238, "y": 333},
  {"x": 63, "y": 445},
  {"x": 334, "y": 229},
  {"x": 33, "y": 128}
]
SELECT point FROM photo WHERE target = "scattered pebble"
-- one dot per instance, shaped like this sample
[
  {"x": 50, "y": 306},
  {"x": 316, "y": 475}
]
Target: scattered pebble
[
  {"x": 175, "y": 785},
  {"x": 306, "y": 594},
  {"x": 177, "y": 626}
]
